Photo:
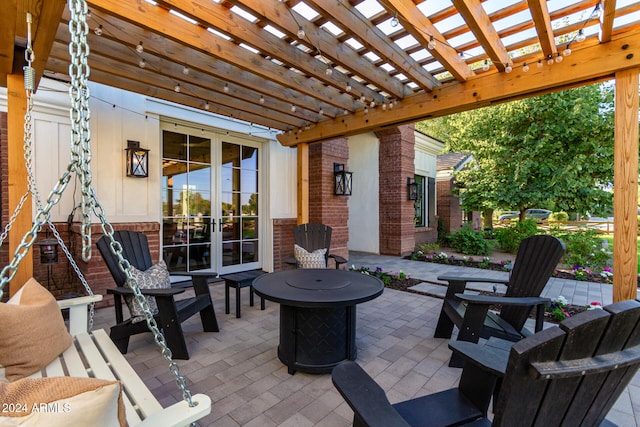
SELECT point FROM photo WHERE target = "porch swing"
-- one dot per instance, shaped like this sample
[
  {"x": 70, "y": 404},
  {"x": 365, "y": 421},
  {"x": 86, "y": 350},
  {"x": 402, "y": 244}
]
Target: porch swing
[{"x": 88, "y": 359}]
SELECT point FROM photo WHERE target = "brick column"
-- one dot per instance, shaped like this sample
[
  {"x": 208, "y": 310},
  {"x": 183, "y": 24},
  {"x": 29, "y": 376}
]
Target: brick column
[
  {"x": 449, "y": 211},
  {"x": 396, "y": 163},
  {"x": 282, "y": 242},
  {"x": 324, "y": 206}
]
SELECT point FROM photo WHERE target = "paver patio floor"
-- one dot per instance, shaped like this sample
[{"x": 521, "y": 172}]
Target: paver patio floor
[{"x": 239, "y": 369}]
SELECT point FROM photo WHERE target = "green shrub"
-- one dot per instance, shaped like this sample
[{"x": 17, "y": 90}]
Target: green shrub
[
  {"x": 428, "y": 248},
  {"x": 559, "y": 216},
  {"x": 469, "y": 242},
  {"x": 584, "y": 248},
  {"x": 509, "y": 238}
]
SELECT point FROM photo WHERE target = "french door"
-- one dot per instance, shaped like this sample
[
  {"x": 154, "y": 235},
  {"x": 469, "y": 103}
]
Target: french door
[{"x": 210, "y": 200}]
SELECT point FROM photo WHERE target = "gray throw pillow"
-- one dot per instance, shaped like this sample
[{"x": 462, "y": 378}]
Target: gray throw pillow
[{"x": 155, "y": 277}]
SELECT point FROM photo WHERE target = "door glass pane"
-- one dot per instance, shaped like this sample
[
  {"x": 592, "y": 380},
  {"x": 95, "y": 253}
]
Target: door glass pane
[
  {"x": 186, "y": 201},
  {"x": 230, "y": 155},
  {"x": 249, "y": 157}
]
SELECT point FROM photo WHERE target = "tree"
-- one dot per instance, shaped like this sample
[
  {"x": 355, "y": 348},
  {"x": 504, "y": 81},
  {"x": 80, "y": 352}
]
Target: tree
[{"x": 554, "y": 150}]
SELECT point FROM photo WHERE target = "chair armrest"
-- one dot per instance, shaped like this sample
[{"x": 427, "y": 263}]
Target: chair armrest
[
  {"x": 338, "y": 259},
  {"x": 473, "y": 279},
  {"x": 180, "y": 414},
  {"x": 78, "y": 312},
  {"x": 365, "y": 396},
  {"x": 148, "y": 292},
  {"x": 73, "y": 302},
  {"x": 488, "y": 358},
  {"x": 291, "y": 260},
  {"x": 514, "y": 301}
]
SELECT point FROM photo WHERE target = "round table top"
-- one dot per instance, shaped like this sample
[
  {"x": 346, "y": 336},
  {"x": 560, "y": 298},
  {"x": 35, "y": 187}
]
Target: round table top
[{"x": 318, "y": 287}]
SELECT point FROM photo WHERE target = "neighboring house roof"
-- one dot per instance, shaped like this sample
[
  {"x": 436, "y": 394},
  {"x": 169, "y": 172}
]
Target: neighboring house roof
[{"x": 451, "y": 161}]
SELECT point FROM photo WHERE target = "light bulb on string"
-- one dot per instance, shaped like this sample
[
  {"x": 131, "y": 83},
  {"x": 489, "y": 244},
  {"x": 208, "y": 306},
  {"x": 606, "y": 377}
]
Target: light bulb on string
[
  {"x": 345, "y": 112},
  {"x": 394, "y": 20},
  {"x": 372, "y": 103},
  {"x": 539, "y": 63},
  {"x": 293, "y": 108},
  {"x": 348, "y": 88},
  {"x": 139, "y": 48},
  {"x": 485, "y": 65},
  {"x": 581, "y": 36},
  {"x": 226, "y": 88},
  {"x": 567, "y": 50},
  {"x": 559, "y": 57},
  {"x": 142, "y": 63},
  {"x": 525, "y": 67},
  {"x": 384, "y": 106},
  {"x": 363, "y": 99},
  {"x": 432, "y": 43},
  {"x": 508, "y": 68},
  {"x": 176, "y": 88},
  {"x": 261, "y": 99},
  {"x": 301, "y": 32},
  {"x": 207, "y": 106},
  {"x": 185, "y": 70},
  {"x": 98, "y": 30},
  {"x": 550, "y": 59},
  {"x": 328, "y": 71},
  {"x": 321, "y": 111},
  {"x": 366, "y": 110}
]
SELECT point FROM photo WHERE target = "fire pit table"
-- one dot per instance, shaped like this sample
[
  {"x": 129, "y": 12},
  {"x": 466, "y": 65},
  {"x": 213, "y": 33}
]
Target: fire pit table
[{"x": 317, "y": 314}]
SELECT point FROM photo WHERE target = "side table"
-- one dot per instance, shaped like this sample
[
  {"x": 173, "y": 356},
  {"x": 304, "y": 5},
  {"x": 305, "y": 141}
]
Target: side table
[{"x": 238, "y": 281}]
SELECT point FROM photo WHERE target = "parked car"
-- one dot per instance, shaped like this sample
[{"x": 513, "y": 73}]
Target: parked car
[{"x": 538, "y": 214}]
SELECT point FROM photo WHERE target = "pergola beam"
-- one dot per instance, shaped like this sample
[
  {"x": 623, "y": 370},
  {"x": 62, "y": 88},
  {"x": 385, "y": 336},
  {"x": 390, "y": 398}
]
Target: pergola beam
[
  {"x": 591, "y": 64},
  {"x": 540, "y": 16}
]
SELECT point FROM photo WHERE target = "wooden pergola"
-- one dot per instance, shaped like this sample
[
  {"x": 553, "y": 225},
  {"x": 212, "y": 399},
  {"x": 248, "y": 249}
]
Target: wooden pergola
[{"x": 315, "y": 70}]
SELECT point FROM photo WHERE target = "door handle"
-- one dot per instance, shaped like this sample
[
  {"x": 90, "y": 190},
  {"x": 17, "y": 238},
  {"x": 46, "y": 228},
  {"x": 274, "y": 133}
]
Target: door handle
[{"x": 213, "y": 225}]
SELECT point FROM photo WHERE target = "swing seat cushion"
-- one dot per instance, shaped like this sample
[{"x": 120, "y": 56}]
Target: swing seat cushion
[
  {"x": 31, "y": 317},
  {"x": 62, "y": 402},
  {"x": 155, "y": 277}
]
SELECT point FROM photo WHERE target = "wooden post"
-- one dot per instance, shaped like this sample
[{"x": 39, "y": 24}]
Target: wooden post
[
  {"x": 17, "y": 107},
  {"x": 303, "y": 183},
  {"x": 625, "y": 193}
]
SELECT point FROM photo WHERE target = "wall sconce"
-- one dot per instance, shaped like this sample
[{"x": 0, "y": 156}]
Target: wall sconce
[
  {"x": 412, "y": 187},
  {"x": 137, "y": 160},
  {"x": 342, "y": 180},
  {"x": 48, "y": 250}
]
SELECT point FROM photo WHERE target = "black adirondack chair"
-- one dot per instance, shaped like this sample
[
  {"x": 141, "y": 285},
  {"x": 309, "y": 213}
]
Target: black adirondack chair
[
  {"x": 171, "y": 312},
  {"x": 536, "y": 260},
  {"x": 570, "y": 374},
  {"x": 312, "y": 237}
]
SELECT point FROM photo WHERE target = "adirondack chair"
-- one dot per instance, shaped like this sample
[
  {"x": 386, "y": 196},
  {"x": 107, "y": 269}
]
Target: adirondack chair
[
  {"x": 536, "y": 260},
  {"x": 570, "y": 374},
  {"x": 171, "y": 312},
  {"x": 312, "y": 237}
]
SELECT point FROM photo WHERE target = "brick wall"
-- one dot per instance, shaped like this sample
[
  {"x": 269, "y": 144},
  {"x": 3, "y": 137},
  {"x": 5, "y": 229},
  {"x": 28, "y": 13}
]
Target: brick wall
[
  {"x": 324, "y": 206},
  {"x": 448, "y": 207},
  {"x": 396, "y": 163},
  {"x": 282, "y": 242}
]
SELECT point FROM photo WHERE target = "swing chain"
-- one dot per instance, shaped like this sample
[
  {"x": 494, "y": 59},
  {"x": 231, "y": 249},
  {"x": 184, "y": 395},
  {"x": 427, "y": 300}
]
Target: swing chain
[{"x": 80, "y": 114}]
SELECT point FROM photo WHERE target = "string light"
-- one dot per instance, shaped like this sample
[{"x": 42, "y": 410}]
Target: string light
[
  {"x": 597, "y": 12},
  {"x": 301, "y": 32},
  {"x": 485, "y": 66},
  {"x": 348, "y": 88},
  {"x": 345, "y": 112},
  {"x": 508, "y": 68},
  {"x": 372, "y": 103},
  {"x": 581, "y": 36},
  {"x": 394, "y": 20},
  {"x": 321, "y": 111},
  {"x": 384, "y": 106},
  {"x": 328, "y": 71},
  {"x": 432, "y": 43},
  {"x": 139, "y": 48},
  {"x": 363, "y": 99},
  {"x": 293, "y": 108},
  {"x": 366, "y": 110},
  {"x": 261, "y": 99},
  {"x": 98, "y": 30},
  {"x": 226, "y": 88},
  {"x": 176, "y": 88},
  {"x": 142, "y": 63},
  {"x": 559, "y": 57},
  {"x": 567, "y": 50},
  {"x": 206, "y": 106},
  {"x": 525, "y": 67},
  {"x": 550, "y": 59},
  {"x": 185, "y": 70},
  {"x": 539, "y": 63}
]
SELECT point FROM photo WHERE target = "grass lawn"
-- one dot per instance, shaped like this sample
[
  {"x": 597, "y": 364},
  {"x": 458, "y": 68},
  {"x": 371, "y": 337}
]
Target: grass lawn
[{"x": 609, "y": 238}]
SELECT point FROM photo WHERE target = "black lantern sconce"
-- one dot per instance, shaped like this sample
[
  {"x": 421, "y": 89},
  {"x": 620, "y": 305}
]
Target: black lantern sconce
[
  {"x": 413, "y": 188},
  {"x": 342, "y": 180},
  {"x": 137, "y": 160},
  {"x": 48, "y": 250}
]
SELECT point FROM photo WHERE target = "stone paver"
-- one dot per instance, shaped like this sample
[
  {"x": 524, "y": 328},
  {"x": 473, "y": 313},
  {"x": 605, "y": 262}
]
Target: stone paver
[{"x": 238, "y": 366}]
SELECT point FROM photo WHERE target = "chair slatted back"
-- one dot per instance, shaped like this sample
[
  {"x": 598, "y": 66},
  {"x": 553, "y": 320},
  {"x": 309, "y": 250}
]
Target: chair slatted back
[
  {"x": 313, "y": 236},
  {"x": 535, "y": 262},
  {"x": 135, "y": 248},
  {"x": 568, "y": 399}
]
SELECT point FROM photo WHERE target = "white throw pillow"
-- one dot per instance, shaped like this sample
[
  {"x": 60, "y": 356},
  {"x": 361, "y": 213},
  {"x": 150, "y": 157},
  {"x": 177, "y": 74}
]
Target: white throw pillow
[
  {"x": 313, "y": 259},
  {"x": 155, "y": 277}
]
